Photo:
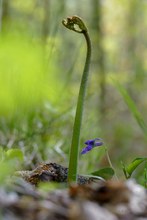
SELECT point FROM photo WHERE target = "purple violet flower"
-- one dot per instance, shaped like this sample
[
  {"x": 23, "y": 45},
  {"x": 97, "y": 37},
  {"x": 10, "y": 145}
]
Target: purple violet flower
[{"x": 91, "y": 144}]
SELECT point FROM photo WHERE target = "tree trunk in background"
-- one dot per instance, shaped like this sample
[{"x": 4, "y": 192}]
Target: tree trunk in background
[
  {"x": 47, "y": 27},
  {"x": 98, "y": 52},
  {"x": 4, "y": 14},
  {"x": 59, "y": 14},
  {"x": 133, "y": 40},
  {"x": 45, "y": 24},
  {"x": 1, "y": 3}
]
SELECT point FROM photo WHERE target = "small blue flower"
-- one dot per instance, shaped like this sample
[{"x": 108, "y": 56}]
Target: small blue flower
[{"x": 91, "y": 144}]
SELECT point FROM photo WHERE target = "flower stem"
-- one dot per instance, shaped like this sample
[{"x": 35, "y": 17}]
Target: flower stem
[
  {"x": 110, "y": 163},
  {"x": 74, "y": 151}
]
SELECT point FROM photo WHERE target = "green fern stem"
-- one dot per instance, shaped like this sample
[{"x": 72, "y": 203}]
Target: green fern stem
[{"x": 74, "y": 151}]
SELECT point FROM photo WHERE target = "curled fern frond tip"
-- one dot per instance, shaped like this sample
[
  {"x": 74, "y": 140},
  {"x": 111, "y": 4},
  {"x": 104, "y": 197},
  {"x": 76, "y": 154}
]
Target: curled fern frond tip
[{"x": 75, "y": 23}]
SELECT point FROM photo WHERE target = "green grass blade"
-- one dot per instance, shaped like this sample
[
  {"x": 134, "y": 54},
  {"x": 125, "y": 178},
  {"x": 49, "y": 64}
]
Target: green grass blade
[{"x": 132, "y": 106}]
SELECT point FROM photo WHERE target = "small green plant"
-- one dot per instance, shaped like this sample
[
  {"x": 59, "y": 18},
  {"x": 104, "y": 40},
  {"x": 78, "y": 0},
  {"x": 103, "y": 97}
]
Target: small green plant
[
  {"x": 10, "y": 160},
  {"x": 76, "y": 24}
]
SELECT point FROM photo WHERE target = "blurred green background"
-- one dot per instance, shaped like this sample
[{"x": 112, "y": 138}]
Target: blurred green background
[{"x": 41, "y": 64}]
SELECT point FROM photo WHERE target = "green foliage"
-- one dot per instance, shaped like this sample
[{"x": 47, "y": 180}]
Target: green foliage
[
  {"x": 21, "y": 73},
  {"x": 106, "y": 173},
  {"x": 26, "y": 79},
  {"x": 46, "y": 187},
  {"x": 10, "y": 161},
  {"x": 14, "y": 154},
  {"x": 11, "y": 154},
  {"x": 129, "y": 169}
]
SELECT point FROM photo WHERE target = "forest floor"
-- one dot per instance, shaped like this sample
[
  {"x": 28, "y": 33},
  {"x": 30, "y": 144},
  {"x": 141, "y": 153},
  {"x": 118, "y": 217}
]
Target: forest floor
[{"x": 90, "y": 199}]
